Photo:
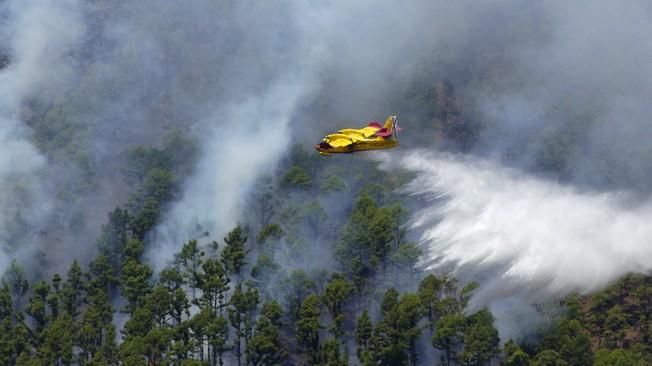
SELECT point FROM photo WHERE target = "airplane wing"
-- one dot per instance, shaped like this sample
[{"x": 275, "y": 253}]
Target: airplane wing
[
  {"x": 362, "y": 132},
  {"x": 339, "y": 140}
]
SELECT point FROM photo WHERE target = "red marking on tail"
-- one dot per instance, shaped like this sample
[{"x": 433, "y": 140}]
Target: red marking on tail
[{"x": 375, "y": 124}]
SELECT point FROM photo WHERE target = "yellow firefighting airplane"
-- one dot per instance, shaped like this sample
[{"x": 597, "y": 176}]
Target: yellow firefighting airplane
[{"x": 371, "y": 137}]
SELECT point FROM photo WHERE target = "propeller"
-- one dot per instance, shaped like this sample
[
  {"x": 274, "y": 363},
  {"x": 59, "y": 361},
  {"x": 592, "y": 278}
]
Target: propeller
[{"x": 396, "y": 128}]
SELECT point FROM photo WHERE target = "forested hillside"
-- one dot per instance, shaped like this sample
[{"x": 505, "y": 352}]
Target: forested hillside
[
  {"x": 320, "y": 272},
  {"x": 161, "y": 201}
]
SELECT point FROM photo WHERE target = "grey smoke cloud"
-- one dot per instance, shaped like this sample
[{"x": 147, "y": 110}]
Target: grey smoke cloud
[
  {"x": 568, "y": 84},
  {"x": 38, "y": 36},
  {"x": 579, "y": 75},
  {"x": 346, "y": 56},
  {"x": 248, "y": 78}
]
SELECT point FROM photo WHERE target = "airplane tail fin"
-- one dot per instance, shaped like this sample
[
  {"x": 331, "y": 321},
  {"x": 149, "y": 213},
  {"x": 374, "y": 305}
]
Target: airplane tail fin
[
  {"x": 390, "y": 128},
  {"x": 389, "y": 123}
]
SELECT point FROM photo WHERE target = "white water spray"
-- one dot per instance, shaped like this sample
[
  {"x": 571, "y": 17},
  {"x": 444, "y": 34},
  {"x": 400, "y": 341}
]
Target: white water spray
[{"x": 525, "y": 235}]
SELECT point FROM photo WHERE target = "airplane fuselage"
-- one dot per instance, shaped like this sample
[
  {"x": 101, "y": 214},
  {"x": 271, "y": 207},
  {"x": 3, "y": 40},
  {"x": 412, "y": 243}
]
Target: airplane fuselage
[{"x": 365, "y": 144}]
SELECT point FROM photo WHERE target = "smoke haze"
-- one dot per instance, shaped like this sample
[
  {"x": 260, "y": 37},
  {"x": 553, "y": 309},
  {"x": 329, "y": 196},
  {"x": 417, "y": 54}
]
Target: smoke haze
[
  {"x": 39, "y": 37},
  {"x": 560, "y": 90}
]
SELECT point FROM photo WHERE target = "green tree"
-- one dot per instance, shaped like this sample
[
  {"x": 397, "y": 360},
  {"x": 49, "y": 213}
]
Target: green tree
[
  {"x": 297, "y": 286},
  {"x": 615, "y": 325},
  {"x": 549, "y": 358},
  {"x": 236, "y": 315},
  {"x": 514, "y": 355},
  {"x": 381, "y": 236},
  {"x": 96, "y": 336},
  {"x": 394, "y": 338},
  {"x": 331, "y": 355},
  {"x": 406, "y": 256},
  {"x": 139, "y": 161},
  {"x": 266, "y": 204},
  {"x": 264, "y": 270},
  {"x": 56, "y": 345},
  {"x": 354, "y": 247},
  {"x": 333, "y": 183},
  {"x": 158, "y": 189},
  {"x": 190, "y": 259},
  {"x": 569, "y": 339},
  {"x": 251, "y": 299},
  {"x": 363, "y": 332},
  {"x": 429, "y": 292},
  {"x": 270, "y": 232},
  {"x": 620, "y": 357},
  {"x": 296, "y": 177},
  {"x": 385, "y": 349},
  {"x": 214, "y": 285},
  {"x": 448, "y": 335},
  {"x": 409, "y": 313},
  {"x": 314, "y": 216},
  {"x": 54, "y": 297},
  {"x": 480, "y": 339},
  {"x": 265, "y": 347},
  {"x": 198, "y": 325},
  {"x": 114, "y": 236},
  {"x": 233, "y": 255},
  {"x": 37, "y": 307},
  {"x": 135, "y": 277},
  {"x": 218, "y": 336},
  {"x": 172, "y": 279},
  {"x": 14, "y": 340},
  {"x": 308, "y": 327},
  {"x": 71, "y": 292},
  {"x": 337, "y": 291},
  {"x": 18, "y": 284}
]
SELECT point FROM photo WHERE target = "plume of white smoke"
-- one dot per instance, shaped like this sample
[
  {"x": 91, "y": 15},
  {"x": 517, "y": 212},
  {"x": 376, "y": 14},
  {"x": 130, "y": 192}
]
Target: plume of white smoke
[
  {"x": 345, "y": 54},
  {"x": 244, "y": 143},
  {"x": 522, "y": 236},
  {"x": 39, "y": 36},
  {"x": 245, "y": 136}
]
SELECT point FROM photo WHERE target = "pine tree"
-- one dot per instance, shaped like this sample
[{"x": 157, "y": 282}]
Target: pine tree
[
  {"x": 190, "y": 259},
  {"x": 429, "y": 292},
  {"x": 265, "y": 347},
  {"x": 448, "y": 335},
  {"x": 56, "y": 345},
  {"x": 71, "y": 292},
  {"x": 480, "y": 339},
  {"x": 409, "y": 313},
  {"x": 363, "y": 333},
  {"x": 308, "y": 327},
  {"x": 214, "y": 283},
  {"x": 135, "y": 276},
  {"x": 331, "y": 355},
  {"x": 37, "y": 307},
  {"x": 172, "y": 280},
  {"x": 514, "y": 355},
  {"x": 18, "y": 284},
  {"x": 218, "y": 335},
  {"x": 337, "y": 291},
  {"x": 96, "y": 336},
  {"x": 114, "y": 236},
  {"x": 297, "y": 286},
  {"x": 233, "y": 255},
  {"x": 237, "y": 310},
  {"x": 381, "y": 238}
]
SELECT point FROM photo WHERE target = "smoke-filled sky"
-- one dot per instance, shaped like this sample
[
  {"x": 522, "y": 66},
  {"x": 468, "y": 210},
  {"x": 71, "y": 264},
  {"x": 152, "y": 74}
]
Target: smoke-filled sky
[
  {"x": 37, "y": 70},
  {"x": 248, "y": 78}
]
